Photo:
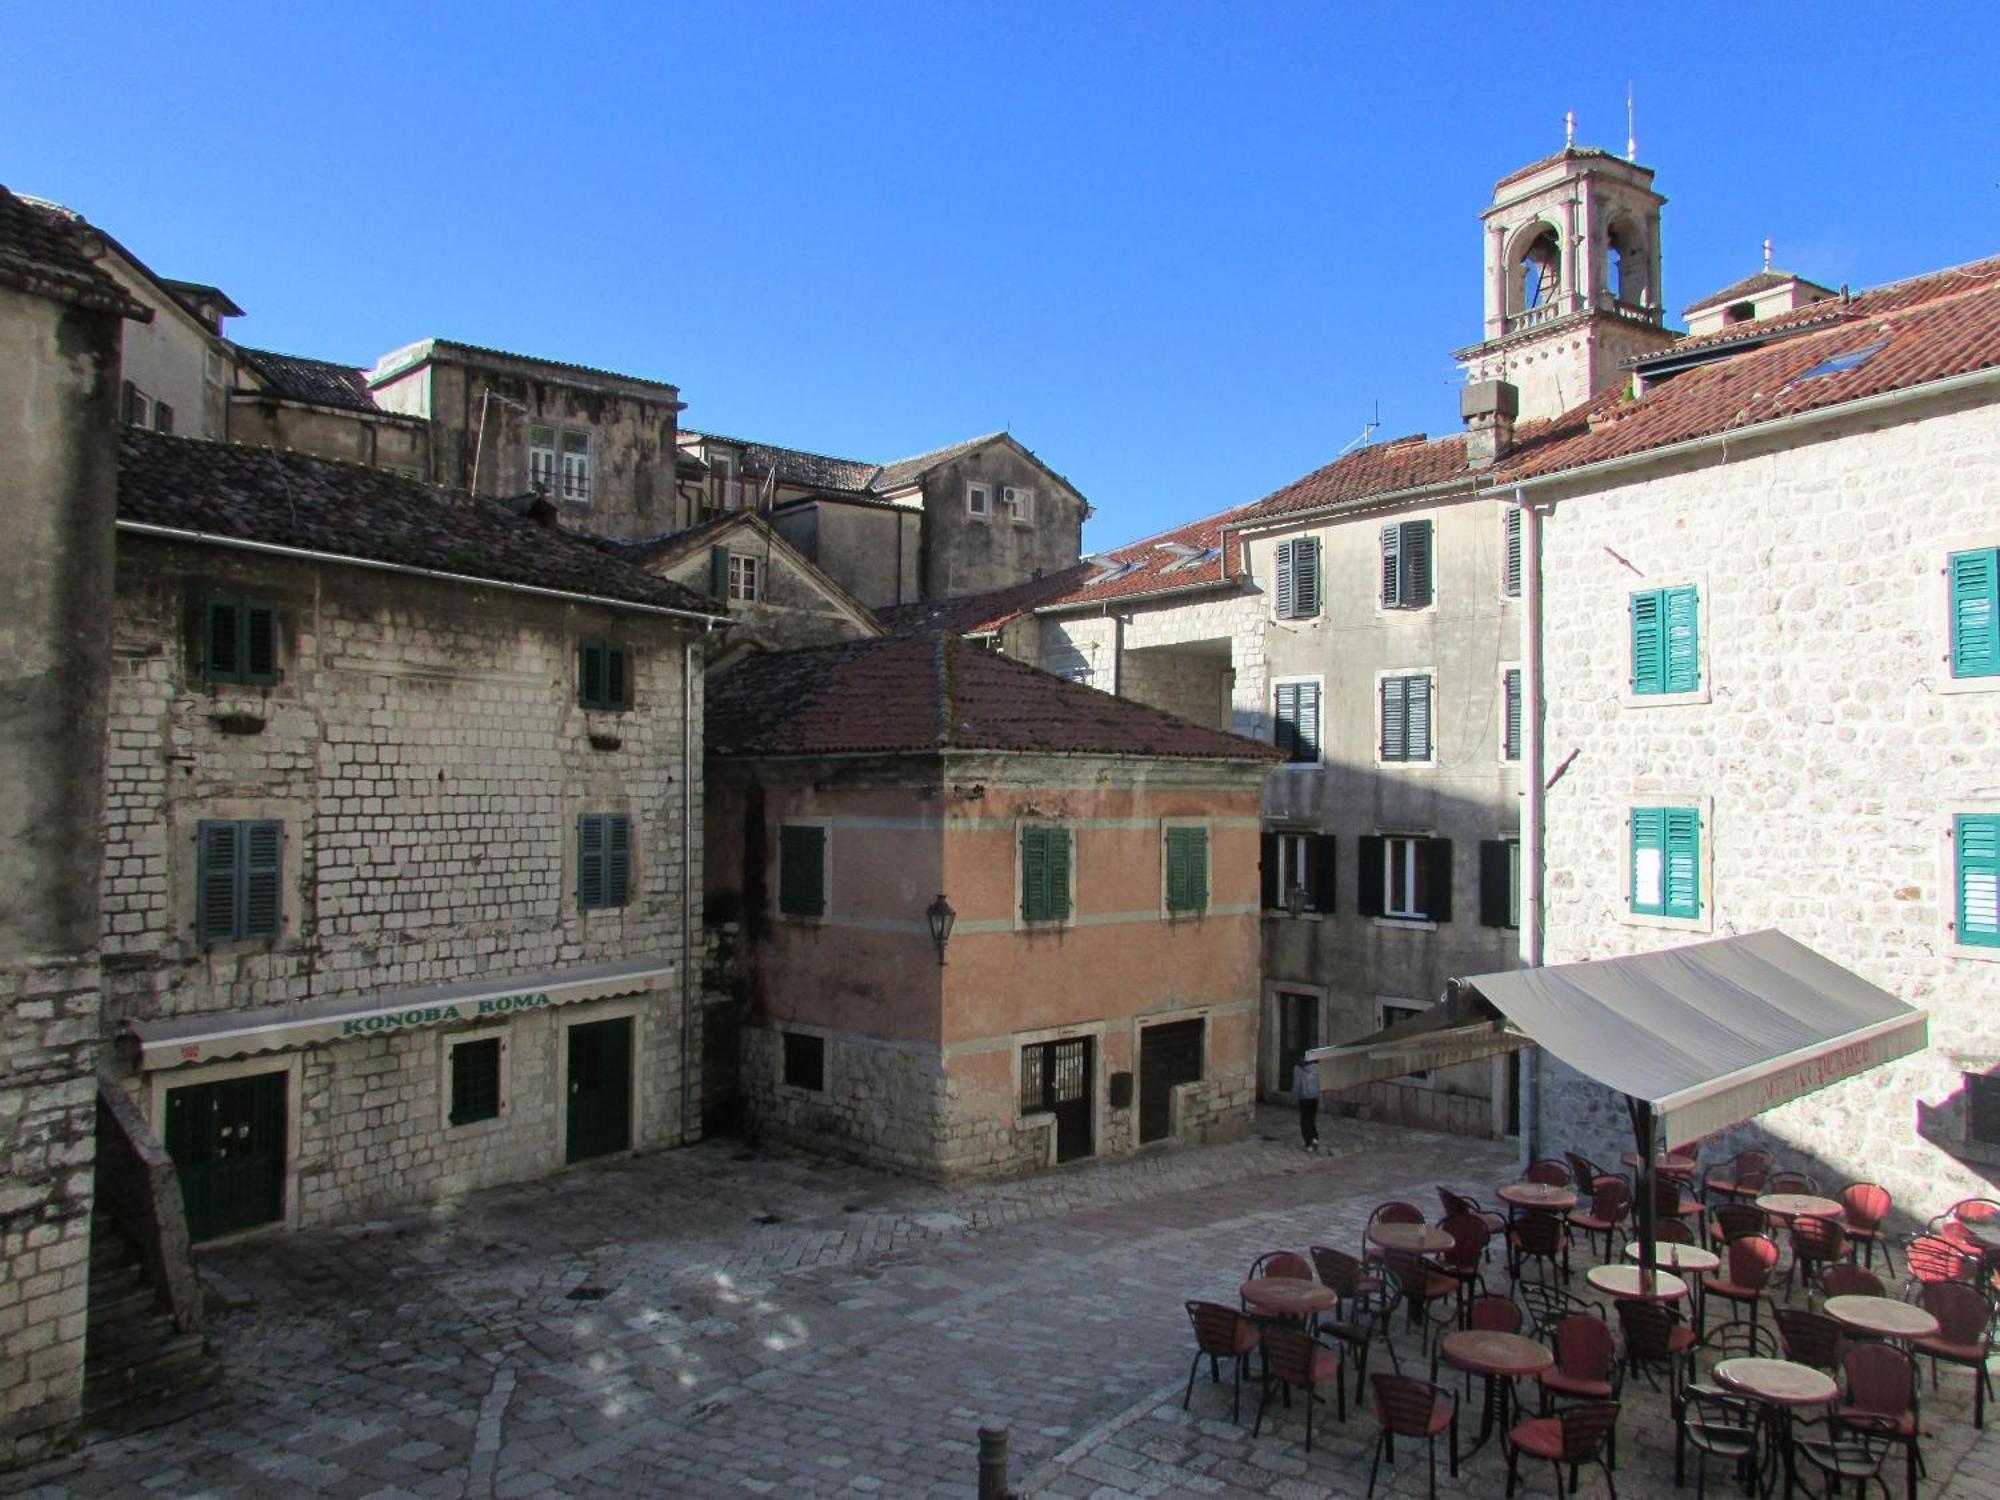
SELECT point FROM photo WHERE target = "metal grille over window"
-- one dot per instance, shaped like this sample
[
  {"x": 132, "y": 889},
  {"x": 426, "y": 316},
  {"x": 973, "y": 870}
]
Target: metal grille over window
[{"x": 475, "y": 1081}]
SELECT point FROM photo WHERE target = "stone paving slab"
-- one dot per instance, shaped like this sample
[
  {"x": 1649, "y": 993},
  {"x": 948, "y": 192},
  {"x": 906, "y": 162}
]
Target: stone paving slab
[{"x": 726, "y": 1321}]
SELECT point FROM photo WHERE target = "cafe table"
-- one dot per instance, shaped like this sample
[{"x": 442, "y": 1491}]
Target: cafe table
[
  {"x": 1690, "y": 1261},
  {"x": 1296, "y": 1298},
  {"x": 1542, "y": 1195},
  {"x": 1880, "y": 1318},
  {"x": 1419, "y": 1239},
  {"x": 1779, "y": 1386},
  {"x": 1501, "y": 1359},
  {"x": 1629, "y": 1281},
  {"x": 1798, "y": 1206}
]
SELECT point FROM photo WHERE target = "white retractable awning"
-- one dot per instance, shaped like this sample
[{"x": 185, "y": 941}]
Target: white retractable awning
[
  {"x": 182, "y": 1040},
  {"x": 1438, "y": 1038}
]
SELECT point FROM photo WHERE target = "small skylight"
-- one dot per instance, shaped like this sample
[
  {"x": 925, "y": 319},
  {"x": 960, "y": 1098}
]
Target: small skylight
[
  {"x": 1195, "y": 560},
  {"x": 1840, "y": 363}
]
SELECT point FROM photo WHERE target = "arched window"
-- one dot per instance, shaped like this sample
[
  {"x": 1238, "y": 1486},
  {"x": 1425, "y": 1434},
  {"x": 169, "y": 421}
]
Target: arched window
[
  {"x": 1541, "y": 270},
  {"x": 1625, "y": 269}
]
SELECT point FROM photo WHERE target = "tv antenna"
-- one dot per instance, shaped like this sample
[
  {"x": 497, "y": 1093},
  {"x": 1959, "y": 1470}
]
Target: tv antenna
[
  {"x": 1368, "y": 430},
  {"x": 1631, "y": 130}
]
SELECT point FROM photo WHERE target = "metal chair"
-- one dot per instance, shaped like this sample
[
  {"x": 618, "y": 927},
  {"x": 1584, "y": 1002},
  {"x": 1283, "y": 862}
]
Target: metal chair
[
  {"x": 1810, "y": 1338},
  {"x": 1487, "y": 1314},
  {"x": 1741, "y": 1177},
  {"x": 1410, "y": 1408},
  {"x": 1931, "y": 1258},
  {"x": 1576, "y": 1435},
  {"x": 1682, "y": 1162},
  {"x": 1609, "y": 1209},
  {"x": 1469, "y": 1239},
  {"x": 1297, "y": 1360},
  {"x": 1537, "y": 1235},
  {"x": 1853, "y": 1453},
  {"x": 1864, "y": 1210},
  {"x": 1671, "y": 1203},
  {"x": 1654, "y": 1335},
  {"x": 1420, "y": 1283},
  {"x": 1881, "y": 1397},
  {"x": 1744, "y": 1278},
  {"x": 1362, "y": 1312},
  {"x": 1816, "y": 1244},
  {"x": 1396, "y": 1211},
  {"x": 1673, "y": 1232},
  {"x": 1715, "y": 1424},
  {"x": 1221, "y": 1333},
  {"x": 1459, "y": 1203},
  {"x": 1586, "y": 1368},
  {"x": 1548, "y": 1305},
  {"x": 1548, "y": 1172},
  {"x": 1964, "y": 1336},
  {"x": 1732, "y": 1220},
  {"x": 1280, "y": 1263},
  {"x": 1849, "y": 1280}
]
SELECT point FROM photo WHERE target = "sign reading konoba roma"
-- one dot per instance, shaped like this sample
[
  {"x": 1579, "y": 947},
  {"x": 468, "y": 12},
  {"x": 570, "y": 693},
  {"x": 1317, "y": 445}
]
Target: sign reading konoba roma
[{"x": 437, "y": 1015}]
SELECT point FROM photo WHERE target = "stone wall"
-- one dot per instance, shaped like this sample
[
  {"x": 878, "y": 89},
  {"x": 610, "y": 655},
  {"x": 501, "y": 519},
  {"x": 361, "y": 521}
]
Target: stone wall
[
  {"x": 967, "y": 554},
  {"x": 427, "y": 757},
  {"x": 1823, "y": 748},
  {"x": 266, "y": 421}
]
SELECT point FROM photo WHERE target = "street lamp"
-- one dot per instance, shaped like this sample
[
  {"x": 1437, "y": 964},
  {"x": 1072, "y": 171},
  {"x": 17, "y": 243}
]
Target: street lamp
[{"x": 941, "y": 917}]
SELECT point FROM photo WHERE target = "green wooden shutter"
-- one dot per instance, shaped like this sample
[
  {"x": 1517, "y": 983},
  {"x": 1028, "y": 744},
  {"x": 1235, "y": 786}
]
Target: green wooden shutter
[
  {"x": 1198, "y": 849},
  {"x": 1287, "y": 580},
  {"x": 590, "y": 885},
  {"x": 1681, "y": 668},
  {"x": 1305, "y": 577},
  {"x": 1058, "y": 867},
  {"x": 1510, "y": 740},
  {"x": 261, "y": 846},
  {"x": 1417, "y": 705},
  {"x": 617, "y": 859},
  {"x": 1268, "y": 854},
  {"x": 1177, "y": 883},
  {"x": 802, "y": 870},
  {"x": 1373, "y": 880},
  {"x": 1187, "y": 869},
  {"x": 1320, "y": 871},
  {"x": 1496, "y": 868},
  {"x": 590, "y": 674},
  {"x": 217, "y": 864},
  {"x": 617, "y": 678},
  {"x": 1416, "y": 589},
  {"x": 1510, "y": 565},
  {"x": 1392, "y": 567},
  {"x": 718, "y": 572},
  {"x": 1975, "y": 613},
  {"x": 1034, "y": 875},
  {"x": 1977, "y": 840},
  {"x": 222, "y": 644},
  {"x": 1648, "y": 643},
  {"x": 1306, "y": 727},
  {"x": 1395, "y": 730},
  {"x": 1682, "y": 829},
  {"x": 1286, "y": 727},
  {"x": 1647, "y": 888},
  {"x": 1434, "y": 877},
  {"x": 259, "y": 650}
]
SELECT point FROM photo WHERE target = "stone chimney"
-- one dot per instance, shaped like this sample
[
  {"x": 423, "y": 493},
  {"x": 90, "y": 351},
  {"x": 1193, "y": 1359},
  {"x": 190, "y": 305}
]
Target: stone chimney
[{"x": 1489, "y": 409}]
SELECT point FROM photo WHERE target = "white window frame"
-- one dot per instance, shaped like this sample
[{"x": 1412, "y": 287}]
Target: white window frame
[
  {"x": 1430, "y": 758},
  {"x": 1704, "y": 861},
  {"x": 545, "y": 475},
  {"x": 583, "y": 493},
  {"x": 1292, "y": 868},
  {"x": 450, "y": 1043},
  {"x": 1318, "y": 680},
  {"x": 1018, "y": 502},
  {"x": 979, "y": 501},
  {"x": 746, "y": 578},
  {"x": 1937, "y": 622},
  {"x": 1409, "y": 897},
  {"x": 1649, "y": 584},
  {"x": 1389, "y": 1009}
]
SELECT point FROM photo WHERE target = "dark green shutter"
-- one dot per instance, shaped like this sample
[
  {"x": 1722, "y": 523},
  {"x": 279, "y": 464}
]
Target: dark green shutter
[
  {"x": 261, "y": 847},
  {"x": 1395, "y": 730},
  {"x": 802, "y": 870},
  {"x": 1681, "y": 828},
  {"x": 1510, "y": 566},
  {"x": 1187, "y": 869},
  {"x": 1496, "y": 872},
  {"x": 1044, "y": 874},
  {"x": 718, "y": 572},
  {"x": 1268, "y": 854},
  {"x": 1510, "y": 743},
  {"x": 222, "y": 640},
  {"x": 1649, "y": 658},
  {"x": 1287, "y": 581},
  {"x": 1392, "y": 567},
  {"x": 1975, "y": 613},
  {"x": 1417, "y": 700},
  {"x": 617, "y": 859},
  {"x": 216, "y": 881},
  {"x": 589, "y": 861},
  {"x": 590, "y": 674},
  {"x": 1435, "y": 878},
  {"x": 1681, "y": 671},
  {"x": 1320, "y": 871},
  {"x": 1305, "y": 577},
  {"x": 259, "y": 652},
  {"x": 617, "y": 677},
  {"x": 1058, "y": 867},
  {"x": 1976, "y": 839},
  {"x": 1373, "y": 878},
  {"x": 1416, "y": 590}
]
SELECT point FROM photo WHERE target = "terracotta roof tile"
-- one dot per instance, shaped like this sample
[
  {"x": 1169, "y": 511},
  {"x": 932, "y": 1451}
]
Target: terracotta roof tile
[
  {"x": 319, "y": 505},
  {"x": 921, "y": 693},
  {"x": 1761, "y": 281},
  {"x": 46, "y": 247},
  {"x": 978, "y": 614},
  {"x": 318, "y": 381}
]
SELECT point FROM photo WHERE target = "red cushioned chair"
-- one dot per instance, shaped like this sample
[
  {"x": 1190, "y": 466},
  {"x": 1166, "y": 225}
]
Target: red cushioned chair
[
  {"x": 1458, "y": 1203},
  {"x": 1964, "y": 1336},
  {"x": 1220, "y": 1333},
  {"x": 1576, "y": 1435},
  {"x": 1394, "y": 1212},
  {"x": 1849, "y": 1280},
  {"x": 1682, "y": 1162},
  {"x": 1610, "y": 1206},
  {"x": 1744, "y": 1277},
  {"x": 1537, "y": 1235},
  {"x": 1469, "y": 1238},
  {"x": 1671, "y": 1202},
  {"x": 1730, "y": 1221},
  {"x": 1421, "y": 1283},
  {"x": 1410, "y": 1408},
  {"x": 1366, "y": 1301},
  {"x": 1881, "y": 1399},
  {"x": 1741, "y": 1177},
  {"x": 1280, "y": 1263},
  {"x": 1549, "y": 1173},
  {"x": 1864, "y": 1209},
  {"x": 1297, "y": 1360},
  {"x": 1816, "y": 1244},
  {"x": 1810, "y": 1338},
  {"x": 1485, "y": 1315},
  {"x": 1930, "y": 1258},
  {"x": 1654, "y": 1335}
]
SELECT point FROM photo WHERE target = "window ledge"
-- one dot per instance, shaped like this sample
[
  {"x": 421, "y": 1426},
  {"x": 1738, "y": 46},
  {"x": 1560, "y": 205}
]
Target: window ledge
[
  {"x": 1412, "y": 924},
  {"x": 1979, "y": 953},
  {"x": 1703, "y": 923},
  {"x": 1275, "y": 912},
  {"x": 1949, "y": 684},
  {"x": 1630, "y": 699},
  {"x": 1406, "y": 765}
]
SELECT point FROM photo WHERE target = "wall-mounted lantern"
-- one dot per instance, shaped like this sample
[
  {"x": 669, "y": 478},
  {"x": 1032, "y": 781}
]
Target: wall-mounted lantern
[{"x": 941, "y": 918}]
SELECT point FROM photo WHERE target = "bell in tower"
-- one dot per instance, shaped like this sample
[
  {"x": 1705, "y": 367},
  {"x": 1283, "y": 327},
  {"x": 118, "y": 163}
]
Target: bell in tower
[{"x": 1572, "y": 281}]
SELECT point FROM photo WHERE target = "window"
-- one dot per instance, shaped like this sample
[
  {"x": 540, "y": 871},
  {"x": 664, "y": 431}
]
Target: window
[
  {"x": 1500, "y": 882},
  {"x": 1406, "y": 878},
  {"x": 1406, "y": 565},
  {"x": 1018, "y": 504},
  {"x": 1975, "y": 613},
  {"x": 603, "y": 860},
  {"x": 163, "y": 417},
  {"x": 475, "y": 1081},
  {"x": 1666, "y": 648},
  {"x": 1187, "y": 870},
  {"x": 604, "y": 676},
  {"x": 1045, "y": 872},
  {"x": 745, "y": 578},
  {"x": 239, "y": 882},
  {"x": 1666, "y": 862},
  {"x": 1510, "y": 714},
  {"x": 138, "y": 409},
  {"x": 979, "y": 502},
  {"x": 1840, "y": 364},
  {"x": 1510, "y": 553},
  {"x": 1976, "y": 846},
  {"x": 239, "y": 641},
  {"x": 802, "y": 870},
  {"x": 1406, "y": 718},
  {"x": 1301, "y": 862},
  {"x": 576, "y": 466},
  {"x": 1297, "y": 721},
  {"x": 1982, "y": 1109},
  {"x": 559, "y": 461},
  {"x": 805, "y": 1061},
  {"x": 542, "y": 459},
  {"x": 1298, "y": 578}
]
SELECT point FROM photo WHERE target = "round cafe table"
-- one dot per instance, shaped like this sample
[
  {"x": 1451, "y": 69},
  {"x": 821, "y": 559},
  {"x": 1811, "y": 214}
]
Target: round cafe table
[
  {"x": 1537, "y": 1195},
  {"x": 1778, "y": 1385},
  {"x": 1624, "y": 1281},
  {"x": 1691, "y": 1261},
  {"x": 1420, "y": 1239},
  {"x": 1799, "y": 1206},
  {"x": 1294, "y": 1297},
  {"x": 1881, "y": 1317},
  {"x": 1502, "y": 1359}
]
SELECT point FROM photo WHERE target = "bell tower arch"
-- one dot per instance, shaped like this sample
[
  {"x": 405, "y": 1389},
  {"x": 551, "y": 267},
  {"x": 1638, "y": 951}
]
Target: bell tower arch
[{"x": 1572, "y": 279}]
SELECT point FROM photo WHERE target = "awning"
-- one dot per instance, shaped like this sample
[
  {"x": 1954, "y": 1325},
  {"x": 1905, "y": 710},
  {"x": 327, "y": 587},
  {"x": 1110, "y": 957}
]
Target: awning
[
  {"x": 182, "y": 1040},
  {"x": 1709, "y": 1034},
  {"x": 1438, "y": 1038}
]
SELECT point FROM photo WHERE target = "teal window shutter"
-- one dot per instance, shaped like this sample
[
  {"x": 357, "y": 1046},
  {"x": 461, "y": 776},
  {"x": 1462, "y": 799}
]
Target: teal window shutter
[
  {"x": 617, "y": 859},
  {"x": 1649, "y": 651},
  {"x": 1510, "y": 564},
  {"x": 1034, "y": 875},
  {"x": 1681, "y": 661},
  {"x": 1975, "y": 613},
  {"x": 1510, "y": 732},
  {"x": 1058, "y": 843},
  {"x": 1649, "y": 854},
  {"x": 1977, "y": 841},
  {"x": 1187, "y": 869},
  {"x": 802, "y": 870},
  {"x": 261, "y": 846},
  {"x": 222, "y": 640},
  {"x": 1682, "y": 827},
  {"x": 590, "y": 885},
  {"x": 217, "y": 864}
]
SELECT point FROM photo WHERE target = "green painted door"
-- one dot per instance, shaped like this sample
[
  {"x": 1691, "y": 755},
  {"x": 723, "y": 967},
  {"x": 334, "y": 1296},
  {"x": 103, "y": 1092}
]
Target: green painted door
[
  {"x": 228, "y": 1141},
  {"x": 600, "y": 1088}
]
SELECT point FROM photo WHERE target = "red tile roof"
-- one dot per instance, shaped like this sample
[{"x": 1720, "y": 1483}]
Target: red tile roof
[
  {"x": 46, "y": 248},
  {"x": 925, "y": 693}
]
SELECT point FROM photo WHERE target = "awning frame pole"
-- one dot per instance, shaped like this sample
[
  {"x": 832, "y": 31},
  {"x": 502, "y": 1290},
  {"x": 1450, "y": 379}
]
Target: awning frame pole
[{"x": 1642, "y": 1132}]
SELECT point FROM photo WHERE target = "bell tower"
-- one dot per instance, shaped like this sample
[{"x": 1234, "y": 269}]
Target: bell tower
[{"x": 1572, "y": 278}]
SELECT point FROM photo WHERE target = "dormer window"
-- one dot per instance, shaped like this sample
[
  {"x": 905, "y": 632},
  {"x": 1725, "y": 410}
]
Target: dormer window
[{"x": 1740, "y": 312}]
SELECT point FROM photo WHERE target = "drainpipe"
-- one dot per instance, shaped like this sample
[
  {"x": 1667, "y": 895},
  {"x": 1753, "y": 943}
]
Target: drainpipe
[
  {"x": 687, "y": 881},
  {"x": 1533, "y": 757}
]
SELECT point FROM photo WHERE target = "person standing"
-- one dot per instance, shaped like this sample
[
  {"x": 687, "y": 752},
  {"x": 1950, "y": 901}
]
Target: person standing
[{"x": 1305, "y": 1089}]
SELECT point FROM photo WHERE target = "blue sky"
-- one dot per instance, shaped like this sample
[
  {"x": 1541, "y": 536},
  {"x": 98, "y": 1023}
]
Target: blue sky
[{"x": 1182, "y": 251}]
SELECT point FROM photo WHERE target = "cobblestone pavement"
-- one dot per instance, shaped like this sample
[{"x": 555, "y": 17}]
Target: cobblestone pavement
[{"x": 720, "y": 1321}]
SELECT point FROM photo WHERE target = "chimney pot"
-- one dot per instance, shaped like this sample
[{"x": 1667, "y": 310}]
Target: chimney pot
[{"x": 1489, "y": 409}]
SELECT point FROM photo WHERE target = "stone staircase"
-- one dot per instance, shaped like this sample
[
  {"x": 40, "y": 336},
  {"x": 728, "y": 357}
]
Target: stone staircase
[{"x": 139, "y": 1369}]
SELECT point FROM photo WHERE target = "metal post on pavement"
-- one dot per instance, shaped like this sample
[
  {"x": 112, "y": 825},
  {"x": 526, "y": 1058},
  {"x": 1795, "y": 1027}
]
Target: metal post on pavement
[{"x": 993, "y": 1463}]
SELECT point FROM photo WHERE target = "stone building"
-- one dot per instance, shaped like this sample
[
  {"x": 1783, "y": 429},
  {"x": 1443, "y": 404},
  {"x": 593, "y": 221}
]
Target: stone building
[
  {"x": 1095, "y": 990},
  {"x": 61, "y": 318},
  {"x": 402, "y": 805}
]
